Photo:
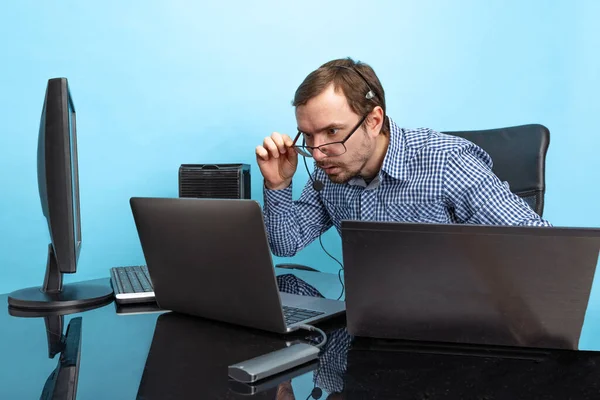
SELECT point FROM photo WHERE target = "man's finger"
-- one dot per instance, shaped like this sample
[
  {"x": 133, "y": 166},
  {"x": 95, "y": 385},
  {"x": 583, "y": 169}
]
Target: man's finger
[
  {"x": 262, "y": 153},
  {"x": 287, "y": 140},
  {"x": 278, "y": 140},
  {"x": 271, "y": 147}
]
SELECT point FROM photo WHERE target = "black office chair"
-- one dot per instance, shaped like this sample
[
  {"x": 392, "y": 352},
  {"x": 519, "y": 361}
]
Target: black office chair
[
  {"x": 519, "y": 157},
  {"x": 296, "y": 266}
]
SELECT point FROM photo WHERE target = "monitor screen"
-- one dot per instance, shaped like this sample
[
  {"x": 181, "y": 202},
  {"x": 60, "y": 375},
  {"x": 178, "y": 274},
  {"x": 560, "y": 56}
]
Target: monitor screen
[{"x": 74, "y": 176}]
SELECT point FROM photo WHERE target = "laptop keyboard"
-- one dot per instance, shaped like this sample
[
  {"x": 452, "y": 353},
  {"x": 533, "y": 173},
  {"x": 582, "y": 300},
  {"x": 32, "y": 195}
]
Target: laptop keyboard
[{"x": 294, "y": 315}]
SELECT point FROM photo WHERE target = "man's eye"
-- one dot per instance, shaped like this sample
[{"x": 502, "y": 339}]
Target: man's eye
[{"x": 332, "y": 131}]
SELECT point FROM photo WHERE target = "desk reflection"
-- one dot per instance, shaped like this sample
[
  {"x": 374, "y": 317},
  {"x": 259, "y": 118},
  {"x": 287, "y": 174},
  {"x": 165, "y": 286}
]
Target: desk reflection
[
  {"x": 189, "y": 356},
  {"x": 62, "y": 382},
  {"x": 328, "y": 377}
]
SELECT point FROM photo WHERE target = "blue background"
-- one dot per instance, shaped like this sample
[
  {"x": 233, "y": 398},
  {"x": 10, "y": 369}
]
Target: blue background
[{"x": 160, "y": 83}]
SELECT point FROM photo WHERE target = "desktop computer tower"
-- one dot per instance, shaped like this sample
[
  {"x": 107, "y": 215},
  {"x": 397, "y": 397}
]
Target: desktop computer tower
[{"x": 220, "y": 181}]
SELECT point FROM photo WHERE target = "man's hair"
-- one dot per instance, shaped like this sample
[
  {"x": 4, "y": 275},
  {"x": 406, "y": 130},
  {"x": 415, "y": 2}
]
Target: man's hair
[{"x": 347, "y": 76}]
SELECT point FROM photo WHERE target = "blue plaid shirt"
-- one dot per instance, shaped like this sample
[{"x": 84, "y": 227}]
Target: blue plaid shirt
[{"x": 426, "y": 177}]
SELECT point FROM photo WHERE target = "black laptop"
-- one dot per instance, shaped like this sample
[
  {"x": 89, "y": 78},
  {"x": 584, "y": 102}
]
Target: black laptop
[{"x": 486, "y": 285}]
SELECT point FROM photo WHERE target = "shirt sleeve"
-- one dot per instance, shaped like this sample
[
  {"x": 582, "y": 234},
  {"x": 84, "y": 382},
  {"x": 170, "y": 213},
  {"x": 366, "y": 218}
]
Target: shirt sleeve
[
  {"x": 479, "y": 197},
  {"x": 292, "y": 225}
]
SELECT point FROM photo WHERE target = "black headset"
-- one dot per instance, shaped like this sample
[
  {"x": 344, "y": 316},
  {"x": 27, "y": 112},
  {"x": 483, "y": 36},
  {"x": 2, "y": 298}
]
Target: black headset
[{"x": 317, "y": 184}]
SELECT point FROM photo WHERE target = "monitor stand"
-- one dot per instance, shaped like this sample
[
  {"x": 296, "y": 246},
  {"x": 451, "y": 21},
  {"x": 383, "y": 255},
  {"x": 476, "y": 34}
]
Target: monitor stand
[
  {"x": 53, "y": 295},
  {"x": 63, "y": 380}
]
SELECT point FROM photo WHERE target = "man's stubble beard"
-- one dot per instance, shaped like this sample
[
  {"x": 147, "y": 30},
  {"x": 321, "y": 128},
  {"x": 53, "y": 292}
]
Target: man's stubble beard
[{"x": 359, "y": 160}]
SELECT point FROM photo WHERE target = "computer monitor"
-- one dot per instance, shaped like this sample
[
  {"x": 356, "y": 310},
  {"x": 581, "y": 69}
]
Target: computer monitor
[
  {"x": 62, "y": 382},
  {"x": 58, "y": 182}
]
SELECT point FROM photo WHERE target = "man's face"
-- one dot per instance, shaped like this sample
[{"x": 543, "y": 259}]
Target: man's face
[{"x": 328, "y": 118}]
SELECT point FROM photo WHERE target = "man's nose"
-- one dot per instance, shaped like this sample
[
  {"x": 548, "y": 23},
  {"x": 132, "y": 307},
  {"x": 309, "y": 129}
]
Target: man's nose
[{"x": 318, "y": 155}]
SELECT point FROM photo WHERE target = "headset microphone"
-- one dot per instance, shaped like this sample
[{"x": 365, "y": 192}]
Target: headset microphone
[
  {"x": 318, "y": 185},
  {"x": 316, "y": 393}
]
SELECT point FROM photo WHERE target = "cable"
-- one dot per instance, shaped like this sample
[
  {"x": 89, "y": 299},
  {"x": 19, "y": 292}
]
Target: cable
[
  {"x": 317, "y": 185},
  {"x": 320, "y": 187},
  {"x": 315, "y": 329},
  {"x": 337, "y": 261}
]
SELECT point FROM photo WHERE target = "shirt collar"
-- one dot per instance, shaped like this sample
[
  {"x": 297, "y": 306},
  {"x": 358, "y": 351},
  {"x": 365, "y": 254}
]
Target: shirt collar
[{"x": 393, "y": 163}]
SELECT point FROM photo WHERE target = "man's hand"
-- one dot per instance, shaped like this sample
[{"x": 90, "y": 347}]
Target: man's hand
[{"x": 277, "y": 161}]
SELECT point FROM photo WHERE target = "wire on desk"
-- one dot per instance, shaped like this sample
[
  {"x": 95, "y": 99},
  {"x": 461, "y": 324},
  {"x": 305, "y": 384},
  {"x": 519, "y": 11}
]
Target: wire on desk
[
  {"x": 337, "y": 261},
  {"x": 315, "y": 329}
]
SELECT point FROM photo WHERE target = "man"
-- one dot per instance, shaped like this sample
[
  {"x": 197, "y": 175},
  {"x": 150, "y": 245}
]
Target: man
[{"x": 371, "y": 169}]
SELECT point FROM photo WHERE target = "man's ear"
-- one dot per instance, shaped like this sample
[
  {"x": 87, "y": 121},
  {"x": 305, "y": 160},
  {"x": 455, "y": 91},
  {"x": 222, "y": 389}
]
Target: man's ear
[{"x": 375, "y": 121}]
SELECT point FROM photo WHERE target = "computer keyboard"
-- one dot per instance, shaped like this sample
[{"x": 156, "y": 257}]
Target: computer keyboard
[
  {"x": 132, "y": 284},
  {"x": 294, "y": 315}
]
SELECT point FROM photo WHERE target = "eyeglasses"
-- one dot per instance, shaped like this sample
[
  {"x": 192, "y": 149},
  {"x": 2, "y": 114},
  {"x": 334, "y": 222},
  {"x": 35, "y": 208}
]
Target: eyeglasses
[{"x": 329, "y": 149}]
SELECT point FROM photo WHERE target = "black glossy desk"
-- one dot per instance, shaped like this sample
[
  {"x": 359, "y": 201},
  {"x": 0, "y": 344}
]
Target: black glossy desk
[{"x": 162, "y": 355}]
